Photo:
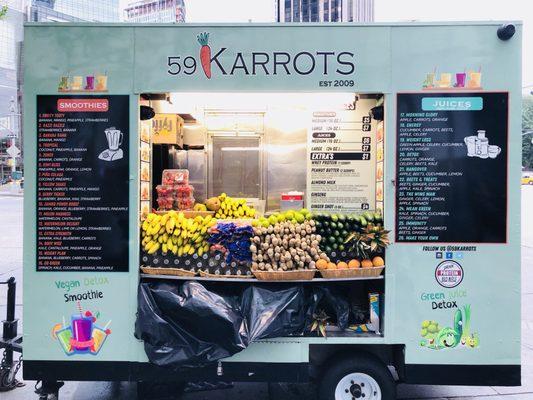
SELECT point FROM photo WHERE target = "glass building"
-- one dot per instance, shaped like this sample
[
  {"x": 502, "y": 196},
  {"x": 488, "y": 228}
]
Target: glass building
[
  {"x": 11, "y": 36},
  {"x": 74, "y": 10},
  {"x": 155, "y": 11},
  {"x": 325, "y": 10}
]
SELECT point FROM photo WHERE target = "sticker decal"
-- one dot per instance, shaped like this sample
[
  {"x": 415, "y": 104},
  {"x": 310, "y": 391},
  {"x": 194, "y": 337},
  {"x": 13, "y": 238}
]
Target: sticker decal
[
  {"x": 435, "y": 337},
  {"x": 449, "y": 273}
]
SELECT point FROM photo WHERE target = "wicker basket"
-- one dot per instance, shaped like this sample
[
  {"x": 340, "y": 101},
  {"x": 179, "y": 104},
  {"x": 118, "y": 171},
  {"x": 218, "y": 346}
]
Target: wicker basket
[
  {"x": 351, "y": 272},
  {"x": 167, "y": 271},
  {"x": 297, "y": 275},
  {"x": 223, "y": 276}
]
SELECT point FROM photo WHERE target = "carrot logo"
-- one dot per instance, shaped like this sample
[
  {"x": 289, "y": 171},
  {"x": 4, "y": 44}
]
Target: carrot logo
[{"x": 205, "y": 53}]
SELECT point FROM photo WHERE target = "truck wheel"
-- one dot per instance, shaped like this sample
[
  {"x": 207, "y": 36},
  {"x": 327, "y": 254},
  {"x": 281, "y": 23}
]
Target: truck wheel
[{"x": 359, "y": 377}]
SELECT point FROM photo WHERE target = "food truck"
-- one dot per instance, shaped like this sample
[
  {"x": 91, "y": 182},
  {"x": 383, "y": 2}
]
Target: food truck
[{"x": 259, "y": 202}]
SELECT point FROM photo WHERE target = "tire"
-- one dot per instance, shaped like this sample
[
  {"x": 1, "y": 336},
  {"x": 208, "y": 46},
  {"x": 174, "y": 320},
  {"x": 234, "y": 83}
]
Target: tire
[{"x": 359, "y": 376}]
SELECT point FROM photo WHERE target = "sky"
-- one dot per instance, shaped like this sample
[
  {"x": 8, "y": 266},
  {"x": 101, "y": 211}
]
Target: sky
[{"x": 387, "y": 11}]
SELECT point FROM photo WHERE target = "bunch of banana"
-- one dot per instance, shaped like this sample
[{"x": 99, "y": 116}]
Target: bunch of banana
[
  {"x": 233, "y": 208},
  {"x": 173, "y": 232}
]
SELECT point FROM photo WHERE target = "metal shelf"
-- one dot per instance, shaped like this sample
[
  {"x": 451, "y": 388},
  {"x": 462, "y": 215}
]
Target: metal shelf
[{"x": 253, "y": 280}]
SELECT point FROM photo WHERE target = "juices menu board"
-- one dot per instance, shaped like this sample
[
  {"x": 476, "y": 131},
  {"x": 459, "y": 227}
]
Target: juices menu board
[
  {"x": 452, "y": 167},
  {"x": 341, "y": 162},
  {"x": 82, "y": 183}
]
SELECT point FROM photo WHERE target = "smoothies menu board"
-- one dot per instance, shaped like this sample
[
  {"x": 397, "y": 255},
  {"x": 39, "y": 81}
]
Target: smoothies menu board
[
  {"x": 82, "y": 183},
  {"x": 341, "y": 162},
  {"x": 452, "y": 167}
]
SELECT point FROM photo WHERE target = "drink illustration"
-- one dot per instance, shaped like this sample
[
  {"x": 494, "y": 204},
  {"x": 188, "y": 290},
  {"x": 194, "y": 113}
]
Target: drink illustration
[
  {"x": 90, "y": 82},
  {"x": 460, "y": 79},
  {"x": 478, "y": 146},
  {"x": 475, "y": 79},
  {"x": 77, "y": 82},
  {"x": 114, "y": 140},
  {"x": 64, "y": 83},
  {"x": 82, "y": 336},
  {"x": 429, "y": 82},
  {"x": 82, "y": 328},
  {"x": 101, "y": 82},
  {"x": 445, "y": 80}
]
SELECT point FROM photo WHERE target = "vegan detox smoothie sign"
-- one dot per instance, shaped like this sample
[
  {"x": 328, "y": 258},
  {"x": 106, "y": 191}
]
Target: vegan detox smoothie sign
[
  {"x": 82, "y": 183},
  {"x": 452, "y": 167}
]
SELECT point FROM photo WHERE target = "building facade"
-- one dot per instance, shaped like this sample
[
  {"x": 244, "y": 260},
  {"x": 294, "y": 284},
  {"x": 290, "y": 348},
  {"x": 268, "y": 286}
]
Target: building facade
[
  {"x": 11, "y": 36},
  {"x": 325, "y": 10},
  {"x": 74, "y": 10},
  {"x": 168, "y": 11}
]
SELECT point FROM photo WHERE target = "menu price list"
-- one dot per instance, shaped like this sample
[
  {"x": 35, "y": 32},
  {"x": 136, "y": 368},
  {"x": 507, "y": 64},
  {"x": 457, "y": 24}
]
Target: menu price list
[
  {"x": 82, "y": 183},
  {"x": 447, "y": 191},
  {"x": 340, "y": 161}
]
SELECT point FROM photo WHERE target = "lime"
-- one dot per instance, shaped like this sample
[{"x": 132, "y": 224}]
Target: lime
[{"x": 299, "y": 217}]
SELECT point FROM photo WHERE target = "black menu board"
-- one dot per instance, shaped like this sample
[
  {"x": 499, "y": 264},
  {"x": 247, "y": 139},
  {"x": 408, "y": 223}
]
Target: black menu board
[
  {"x": 82, "y": 183},
  {"x": 451, "y": 167}
]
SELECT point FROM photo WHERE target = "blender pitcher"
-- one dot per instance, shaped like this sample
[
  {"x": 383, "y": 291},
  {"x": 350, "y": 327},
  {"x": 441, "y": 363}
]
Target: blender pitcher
[
  {"x": 114, "y": 138},
  {"x": 470, "y": 142}
]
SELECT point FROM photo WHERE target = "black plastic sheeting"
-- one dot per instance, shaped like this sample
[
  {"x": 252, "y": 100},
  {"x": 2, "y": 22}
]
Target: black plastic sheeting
[{"x": 189, "y": 324}]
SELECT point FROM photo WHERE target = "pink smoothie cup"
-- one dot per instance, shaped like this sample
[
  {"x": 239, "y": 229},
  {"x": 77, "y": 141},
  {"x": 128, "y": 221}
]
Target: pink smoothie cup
[{"x": 460, "y": 79}]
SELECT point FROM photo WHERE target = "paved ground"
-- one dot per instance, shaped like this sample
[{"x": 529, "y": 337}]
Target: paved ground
[{"x": 11, "y": 265}]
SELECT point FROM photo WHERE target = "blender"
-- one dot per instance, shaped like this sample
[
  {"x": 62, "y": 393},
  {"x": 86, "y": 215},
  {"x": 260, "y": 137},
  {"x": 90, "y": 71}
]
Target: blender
[{"x": 114, "y": 140}]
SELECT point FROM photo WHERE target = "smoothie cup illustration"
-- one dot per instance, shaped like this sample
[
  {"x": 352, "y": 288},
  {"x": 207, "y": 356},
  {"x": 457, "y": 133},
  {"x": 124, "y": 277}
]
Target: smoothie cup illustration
[
  {"x": 64, "y": 336},
  {"x": 445, "y": 80},
  {"x": 90, "y": 82},
  {"x": 430, "y": 80},
  {"x": 77, "y": 82},
  {"x": 475, "y": 79},
  {"x": 101, "y": 82},
  {"x": 63, "y": 83},
  {"x": 460, "y": 79},
  {"x": 82, "y": 329},
  {"x": 99, "y": 337}
]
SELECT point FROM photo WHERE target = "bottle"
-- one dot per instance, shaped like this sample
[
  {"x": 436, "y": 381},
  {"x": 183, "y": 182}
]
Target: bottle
[{"x": 482, "y": 145}]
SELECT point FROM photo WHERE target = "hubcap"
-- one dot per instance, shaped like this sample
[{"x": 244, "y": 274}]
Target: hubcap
[{"x": 357, "y": 385}]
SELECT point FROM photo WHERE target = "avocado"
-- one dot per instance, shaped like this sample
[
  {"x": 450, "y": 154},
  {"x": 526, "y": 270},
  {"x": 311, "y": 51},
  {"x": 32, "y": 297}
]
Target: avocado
[
  {"x": 336, "y": 234},
  {"x": 378, "y": 217},
  {"x": 334, "y": 217},
  {"x": 342, "y": 217},
  {"x": 368, "y": 216},
  {"x": 362, "y": 221},
  {"x": 333, "y": 225},
  {"x": 341, "y": 247}
]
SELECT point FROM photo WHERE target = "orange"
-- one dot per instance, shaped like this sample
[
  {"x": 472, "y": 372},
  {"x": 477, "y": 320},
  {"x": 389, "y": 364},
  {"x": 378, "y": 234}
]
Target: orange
[
  {"x": 354, "y": 264},
  {"x": 366, "y": 264},
  {"x": 321, "y": 264},
  {"x": 378, "y": 261},
  {"x": 342, "y": 265},
  {"x": 332, "y": 265}
]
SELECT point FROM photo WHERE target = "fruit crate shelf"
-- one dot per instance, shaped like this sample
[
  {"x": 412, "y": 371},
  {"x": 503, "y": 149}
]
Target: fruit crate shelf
[{"x": 253, "y": 280}]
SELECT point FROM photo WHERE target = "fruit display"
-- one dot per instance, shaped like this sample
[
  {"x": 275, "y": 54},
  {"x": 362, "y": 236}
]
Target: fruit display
[
  {"x": 294, "y": 217},
  {"x": 173, "y": 233},
  {"x": 175, "y": 193},
  {"x": 340, "y": 231},
  {"x": 226, "y": 207},
  {"x": 286, "y": 246},
  {"x": 175, "y": 177},
  {"x": 233, "y": 240}
]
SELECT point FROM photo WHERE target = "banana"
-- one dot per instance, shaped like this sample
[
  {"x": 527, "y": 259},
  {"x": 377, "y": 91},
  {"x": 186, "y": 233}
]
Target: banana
[
  {"x": 180, "y": 251},
  {"x": 164, "y": 248},
  {"x": 200, "y": 251},
  {"x": 191, "y": 251},
  {"x": 170, "y": 244},
  {"x": 179, "y": 241},
  {"x": 175, "y": 250},
  {"x": 186, "y": 248},
  {"x": 148, "y": 245},
  {"x": 153, "y": 248},
  {"x": 162, "y": 230},
  {"x": 171, "y": 223}
]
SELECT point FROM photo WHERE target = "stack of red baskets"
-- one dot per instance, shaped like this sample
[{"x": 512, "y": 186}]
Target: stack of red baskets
[{"x": 175, "y": 193}]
